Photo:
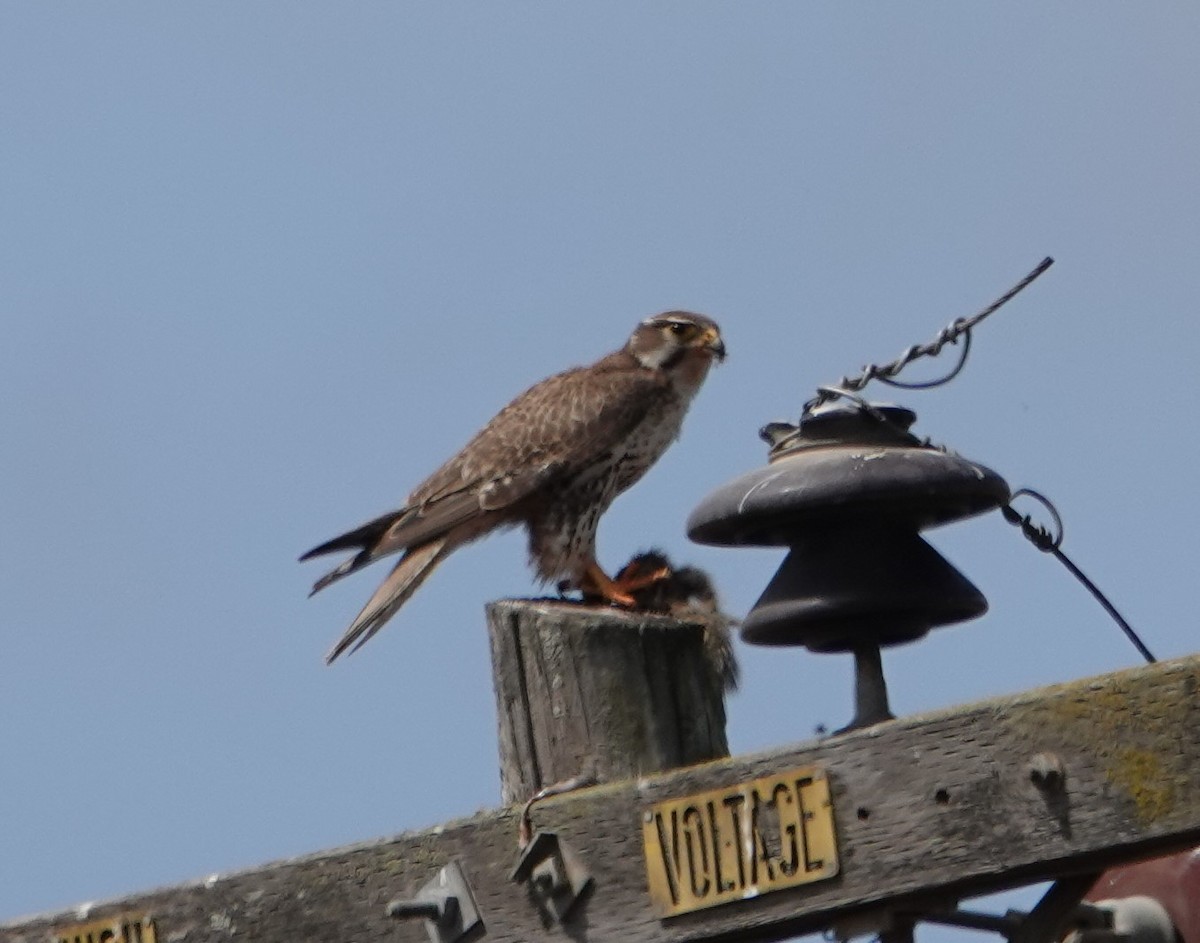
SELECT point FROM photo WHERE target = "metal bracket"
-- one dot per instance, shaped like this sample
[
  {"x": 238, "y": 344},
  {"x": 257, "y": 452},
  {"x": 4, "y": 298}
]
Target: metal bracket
[
  {"x": 556, "y": 876},
  {"x": 446, "y": 904},
  {"x": 1060, "y": 909}
]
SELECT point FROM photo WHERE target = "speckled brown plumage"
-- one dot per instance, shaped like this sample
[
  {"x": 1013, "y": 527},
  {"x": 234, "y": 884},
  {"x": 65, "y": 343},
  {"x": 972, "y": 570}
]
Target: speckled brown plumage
[{"x": 552, "y": 460}]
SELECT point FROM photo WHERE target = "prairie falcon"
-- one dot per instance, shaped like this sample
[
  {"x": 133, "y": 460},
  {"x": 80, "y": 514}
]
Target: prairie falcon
[{"x": 553, "y": 460}]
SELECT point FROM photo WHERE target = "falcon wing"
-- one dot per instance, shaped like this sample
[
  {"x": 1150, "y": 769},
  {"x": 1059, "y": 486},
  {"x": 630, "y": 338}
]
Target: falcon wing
[{"x": 555, "y": 428}]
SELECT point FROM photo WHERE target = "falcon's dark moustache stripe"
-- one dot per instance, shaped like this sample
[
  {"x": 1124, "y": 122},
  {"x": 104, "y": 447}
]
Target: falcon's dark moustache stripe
[{"x": 673, "y": 360}]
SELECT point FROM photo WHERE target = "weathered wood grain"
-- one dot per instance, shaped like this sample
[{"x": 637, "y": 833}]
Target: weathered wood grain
[
  {"x": 613, "y": 693},
  {"x": 938, "y": 804}
]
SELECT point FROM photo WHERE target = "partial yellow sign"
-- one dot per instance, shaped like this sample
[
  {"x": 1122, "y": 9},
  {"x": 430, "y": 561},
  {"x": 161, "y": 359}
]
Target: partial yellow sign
[
  {"x": 123, "y": 928},
  {"x": 732, "y": 844}
]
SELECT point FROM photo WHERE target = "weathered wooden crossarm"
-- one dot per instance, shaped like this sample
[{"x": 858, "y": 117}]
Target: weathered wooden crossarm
[{"x": 925, "y": 807}]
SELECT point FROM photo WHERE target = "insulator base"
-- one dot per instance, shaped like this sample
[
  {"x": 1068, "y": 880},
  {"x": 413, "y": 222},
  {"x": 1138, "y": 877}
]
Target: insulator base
[{"x": 841, "y": 586}]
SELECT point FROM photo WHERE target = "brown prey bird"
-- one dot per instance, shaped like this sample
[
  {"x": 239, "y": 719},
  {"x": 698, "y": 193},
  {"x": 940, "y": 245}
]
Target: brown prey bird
[{"x": 553, "y": 460}]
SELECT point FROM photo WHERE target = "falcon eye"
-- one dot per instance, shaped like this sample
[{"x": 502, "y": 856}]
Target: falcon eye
[{"x": 678, "y": 328}]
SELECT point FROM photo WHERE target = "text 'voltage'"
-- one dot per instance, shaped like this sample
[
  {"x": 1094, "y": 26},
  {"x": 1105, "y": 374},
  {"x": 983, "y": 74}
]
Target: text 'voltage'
[{"x": 731, "y": 844}]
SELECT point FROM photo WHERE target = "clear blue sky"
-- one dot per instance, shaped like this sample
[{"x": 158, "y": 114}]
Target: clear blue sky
[{"x": 264, "y": 266}]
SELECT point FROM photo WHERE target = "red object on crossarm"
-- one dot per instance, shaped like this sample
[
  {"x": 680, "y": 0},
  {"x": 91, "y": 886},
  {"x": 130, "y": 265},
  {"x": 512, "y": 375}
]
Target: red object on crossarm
[{"x": 1174, "y": 881}]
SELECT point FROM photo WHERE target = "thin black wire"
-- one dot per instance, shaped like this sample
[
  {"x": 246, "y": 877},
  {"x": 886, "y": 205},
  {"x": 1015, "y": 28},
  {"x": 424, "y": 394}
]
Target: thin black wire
[
  {"x": 950, "y": 334},
  {"x": 1049, "y": 542},
  {"x": 1108, "y": 606}
]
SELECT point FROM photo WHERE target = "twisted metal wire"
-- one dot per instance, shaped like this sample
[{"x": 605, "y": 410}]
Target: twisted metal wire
[
  {"x": 886, "y": 373},
  {"x": 1050, "y": 542}
]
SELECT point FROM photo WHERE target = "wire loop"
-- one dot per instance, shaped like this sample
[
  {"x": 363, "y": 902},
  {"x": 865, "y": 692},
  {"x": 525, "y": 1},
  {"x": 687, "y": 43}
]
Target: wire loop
[
  {"x": 940, "y": 381},
  {"x": 1048, "y": 542},
  {"x": 1041, "y": 537}
]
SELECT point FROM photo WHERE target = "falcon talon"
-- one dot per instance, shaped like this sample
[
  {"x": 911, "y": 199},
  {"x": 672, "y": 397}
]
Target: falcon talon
[
  {"x": 553, "y": 460},
  {"x": 646, "y": 581},
  {"x": 632, "y": 580}
]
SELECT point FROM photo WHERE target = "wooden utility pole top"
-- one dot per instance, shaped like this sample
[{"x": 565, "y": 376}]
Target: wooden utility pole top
[
  {"x": 1064, "y": 780},
  {"x": 599, "y": 694}
]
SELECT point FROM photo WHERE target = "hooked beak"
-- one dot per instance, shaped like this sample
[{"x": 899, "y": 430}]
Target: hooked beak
[{"x": 712, "y": 341}]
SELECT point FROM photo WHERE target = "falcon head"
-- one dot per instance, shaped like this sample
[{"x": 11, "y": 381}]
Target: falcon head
[{"x": 675, "y": 339}]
